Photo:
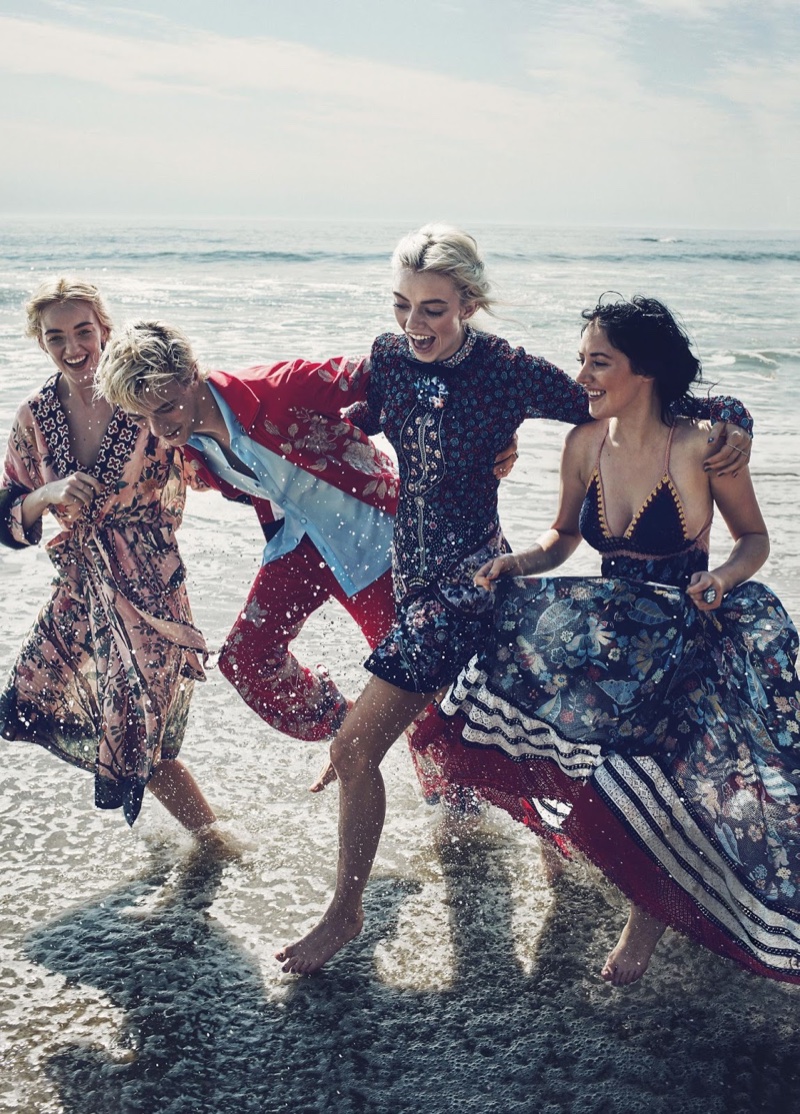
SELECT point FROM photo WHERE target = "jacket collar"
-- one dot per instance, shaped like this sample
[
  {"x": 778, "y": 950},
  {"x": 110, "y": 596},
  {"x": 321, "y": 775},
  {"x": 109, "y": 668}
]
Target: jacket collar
[{"x": 239, "y": 395}]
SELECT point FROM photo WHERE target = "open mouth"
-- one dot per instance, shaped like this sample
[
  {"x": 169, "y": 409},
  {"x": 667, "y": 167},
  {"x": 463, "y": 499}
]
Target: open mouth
[
  {"x": 421, "y": 344},
  {"x": 77, "y": 365}
]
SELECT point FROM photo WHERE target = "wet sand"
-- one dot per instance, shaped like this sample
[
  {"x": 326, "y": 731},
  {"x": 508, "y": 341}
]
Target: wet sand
[{"x": 137, "y": 972}]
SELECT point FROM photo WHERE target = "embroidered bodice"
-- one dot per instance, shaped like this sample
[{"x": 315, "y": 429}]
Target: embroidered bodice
[{"x": 447, "y": 421}]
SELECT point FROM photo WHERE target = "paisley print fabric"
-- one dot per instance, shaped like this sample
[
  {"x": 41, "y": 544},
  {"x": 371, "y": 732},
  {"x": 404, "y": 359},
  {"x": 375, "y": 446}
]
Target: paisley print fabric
[{"x": 105, "y": 675}]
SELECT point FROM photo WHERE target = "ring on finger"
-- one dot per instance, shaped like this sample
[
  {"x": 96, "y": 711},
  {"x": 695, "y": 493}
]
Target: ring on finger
[{"x": 710, "y": 595}]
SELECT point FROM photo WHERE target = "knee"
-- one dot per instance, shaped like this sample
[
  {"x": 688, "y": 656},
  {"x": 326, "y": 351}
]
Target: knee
[{"x": 349, "y": 759}]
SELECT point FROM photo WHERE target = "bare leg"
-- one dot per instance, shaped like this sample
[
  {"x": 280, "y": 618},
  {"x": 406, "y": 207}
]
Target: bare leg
[
  {"x": 327, "y": 774},
  {"x": 628, "y": 961},
  {"x": 379, "y": 716},
  {"x": 174, "y": 787}
]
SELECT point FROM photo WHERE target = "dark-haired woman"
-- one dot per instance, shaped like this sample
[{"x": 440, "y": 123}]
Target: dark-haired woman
[{"x": 650, "y": 718}]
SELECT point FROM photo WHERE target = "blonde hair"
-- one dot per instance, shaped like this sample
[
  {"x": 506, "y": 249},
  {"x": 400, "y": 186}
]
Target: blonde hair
[
  {"x": 64, "y": 289},
  {"x": 446, "y": 250},
  {"x": 143, "y": 357}
]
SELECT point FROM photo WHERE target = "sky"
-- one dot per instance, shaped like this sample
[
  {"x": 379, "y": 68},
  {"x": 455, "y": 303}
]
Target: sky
[{"x": 665, "y": 113}]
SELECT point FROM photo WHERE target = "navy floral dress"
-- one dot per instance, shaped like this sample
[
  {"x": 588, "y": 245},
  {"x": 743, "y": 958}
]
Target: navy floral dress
[
  {"x": 684, "y": 727},
  {"x": 447, "y": 421}
]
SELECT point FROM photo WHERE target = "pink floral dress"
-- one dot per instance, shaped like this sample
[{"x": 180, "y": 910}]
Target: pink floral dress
[{"x": 105, "y": 675}]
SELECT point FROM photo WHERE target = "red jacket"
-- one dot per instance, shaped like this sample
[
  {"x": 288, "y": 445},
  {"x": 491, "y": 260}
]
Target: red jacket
[{"x": 294, "y": 409}]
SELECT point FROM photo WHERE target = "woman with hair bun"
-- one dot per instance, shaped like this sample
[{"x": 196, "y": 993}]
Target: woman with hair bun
[
  {"x": 651, "y": 717},
  {"x": 104, "y": 678},
  {"x": 448, "y": 397}
]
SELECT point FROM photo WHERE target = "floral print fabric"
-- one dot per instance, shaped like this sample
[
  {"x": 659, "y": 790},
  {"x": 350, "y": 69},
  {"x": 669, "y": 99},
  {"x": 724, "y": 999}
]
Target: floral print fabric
[
  {"x": 437, "y": 631},
  {"x": 104, "y": 677},
  {"x": 686, "y": 723},
  {"x": 447, "y": 422}
]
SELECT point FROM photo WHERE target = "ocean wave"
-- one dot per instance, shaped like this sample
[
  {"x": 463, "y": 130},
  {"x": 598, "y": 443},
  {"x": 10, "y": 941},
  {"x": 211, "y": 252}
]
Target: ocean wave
[
  {"x": 122, "y": 250},
  {"x": 683, "y": 253},
  {"x": 12, "y": 296},
  {"x": 120, "y": 254},
  {"x": 767, "y": 361}
]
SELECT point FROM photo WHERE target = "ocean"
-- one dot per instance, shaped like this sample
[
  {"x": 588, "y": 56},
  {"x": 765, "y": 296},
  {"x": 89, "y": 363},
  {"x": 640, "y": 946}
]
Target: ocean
[{"x": 138, "y": 977}]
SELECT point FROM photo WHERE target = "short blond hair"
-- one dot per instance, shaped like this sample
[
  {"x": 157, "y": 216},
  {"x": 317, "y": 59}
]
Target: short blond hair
[
  {"x": 142, "y": 358},
  {"x": 64, "y": 289},
  {"x": 446, "y": 250}
]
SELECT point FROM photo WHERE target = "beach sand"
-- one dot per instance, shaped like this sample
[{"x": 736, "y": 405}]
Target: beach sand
[{"x": 138, "y": 971}]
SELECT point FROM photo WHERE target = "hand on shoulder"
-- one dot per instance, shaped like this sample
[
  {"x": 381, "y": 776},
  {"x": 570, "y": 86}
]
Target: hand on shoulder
[{"x": 695, "y": 437}]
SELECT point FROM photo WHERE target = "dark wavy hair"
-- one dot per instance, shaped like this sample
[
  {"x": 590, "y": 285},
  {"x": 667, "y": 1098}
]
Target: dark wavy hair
[{"x": 656, "y": 345}]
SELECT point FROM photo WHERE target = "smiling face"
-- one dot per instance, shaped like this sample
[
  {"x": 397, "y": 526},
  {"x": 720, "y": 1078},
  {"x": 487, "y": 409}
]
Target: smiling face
[
  {"x": 73, "y": 338},
  {"x": 174, "y": 412},
  {"x": 608, "y": 375},
  {"x": 429, "y": 311}
]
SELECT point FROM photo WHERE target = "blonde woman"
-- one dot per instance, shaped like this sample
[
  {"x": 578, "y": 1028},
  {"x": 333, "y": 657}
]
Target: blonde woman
[
  {"x": 448, "y": 397},
  {"x": 104, "y": 678}
]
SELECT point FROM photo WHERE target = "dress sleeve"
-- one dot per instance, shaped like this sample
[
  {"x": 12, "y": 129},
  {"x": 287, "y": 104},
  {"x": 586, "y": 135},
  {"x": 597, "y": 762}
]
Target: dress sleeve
[
  {"x": 716, "y": 408},
  {"x": 549, "y": 391},
  {"x": 10, "y": 497},
  {"x": 363, "y": 418},
  {"x": 21, "y": 476}
]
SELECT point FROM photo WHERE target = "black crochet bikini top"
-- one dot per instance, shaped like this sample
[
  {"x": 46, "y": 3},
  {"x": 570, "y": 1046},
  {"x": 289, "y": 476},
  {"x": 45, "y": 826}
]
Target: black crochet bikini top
[{"x": 656, "y": 531}]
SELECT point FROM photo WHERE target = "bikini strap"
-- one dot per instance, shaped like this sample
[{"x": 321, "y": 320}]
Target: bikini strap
[
  {"x": 600, "y": 452},
  {"x": 668, "y": 451}
]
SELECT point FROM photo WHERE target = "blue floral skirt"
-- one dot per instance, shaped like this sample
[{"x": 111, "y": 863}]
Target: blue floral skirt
[{"x": 686, "y": 725}]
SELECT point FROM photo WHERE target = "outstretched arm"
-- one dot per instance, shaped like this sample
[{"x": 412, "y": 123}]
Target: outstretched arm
[
  {"x": 554, "y": 394},
  {"x": 732, "y": 433},
  {"x": 327, "y": 386}
]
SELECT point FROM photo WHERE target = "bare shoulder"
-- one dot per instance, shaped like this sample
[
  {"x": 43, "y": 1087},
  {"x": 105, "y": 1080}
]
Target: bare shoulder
[
  {"x": 582, "y": 446},
  {"x": 584, "y": 438},
  {"x": 691, "y": 439}
]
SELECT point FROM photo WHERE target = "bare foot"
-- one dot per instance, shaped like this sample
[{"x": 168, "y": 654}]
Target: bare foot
[
  {"x": 628, "y": 961},
  {"x": 221, "y": 843},
  {"x": 326, "y": 775},
  {"x": 316, "y": 948}
]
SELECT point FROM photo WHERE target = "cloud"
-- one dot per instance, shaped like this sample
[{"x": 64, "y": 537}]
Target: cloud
[
  {"x": 209, "y": 122},
  {"x": 200, "y": 63}
]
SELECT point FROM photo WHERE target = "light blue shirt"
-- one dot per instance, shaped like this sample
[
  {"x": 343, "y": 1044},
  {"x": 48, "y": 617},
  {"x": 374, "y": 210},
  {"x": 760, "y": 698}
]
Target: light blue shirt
[{"x": 354, "y": 538}]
